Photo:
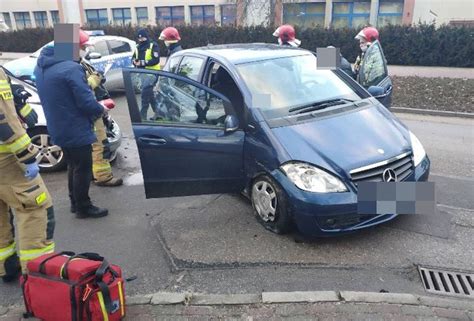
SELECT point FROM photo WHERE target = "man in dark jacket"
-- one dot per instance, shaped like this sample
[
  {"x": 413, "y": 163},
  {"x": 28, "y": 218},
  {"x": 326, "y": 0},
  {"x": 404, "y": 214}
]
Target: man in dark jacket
[{"x": 70, "y": 108}]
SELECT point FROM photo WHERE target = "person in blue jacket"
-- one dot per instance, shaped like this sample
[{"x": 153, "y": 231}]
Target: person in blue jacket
[{"x": 70, "y": 109}]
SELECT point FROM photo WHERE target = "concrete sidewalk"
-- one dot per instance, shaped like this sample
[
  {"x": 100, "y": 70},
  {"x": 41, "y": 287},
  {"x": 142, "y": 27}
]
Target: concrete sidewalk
[
  {"x": 320, "y": 305},
  {"x": 399, "y": 71}
]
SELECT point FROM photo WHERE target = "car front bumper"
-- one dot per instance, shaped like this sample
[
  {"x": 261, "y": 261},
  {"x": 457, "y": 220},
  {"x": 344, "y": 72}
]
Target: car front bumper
[{"x": 332, "y": 214}]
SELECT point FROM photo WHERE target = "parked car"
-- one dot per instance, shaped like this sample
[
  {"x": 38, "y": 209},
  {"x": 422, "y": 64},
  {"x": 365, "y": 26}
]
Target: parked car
[
  {"x": 107, "y": 54},
  {"x": 51, "y": 157},
  {"x": 263, "y": 119}
]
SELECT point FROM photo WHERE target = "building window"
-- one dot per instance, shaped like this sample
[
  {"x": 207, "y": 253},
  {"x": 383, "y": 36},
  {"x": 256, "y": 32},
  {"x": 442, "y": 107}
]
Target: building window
[
  {"x": 228, "y": 14},
  {"x": 142, "y": 16},
  {"x": 41, "y": 19},
  {"x": 390, "y": 12},
  {"x": 7, "y": 19},
  {"x": 304, "y": 15},
  {"x": 202, "y": 15},
  {"x": 350, "y": 14},
  {"x": 97, "y": 17},
  {"x": 55, "y": 16},
  {"x": 22, "y": 20},
  {"x": 122, "y": 16},
  {"x": 170, "y": 16}
]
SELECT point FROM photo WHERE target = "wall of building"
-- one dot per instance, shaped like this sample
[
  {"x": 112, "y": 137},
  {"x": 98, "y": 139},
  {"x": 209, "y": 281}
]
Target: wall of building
[
  {"x": 443, "y": 11},
  {"x": 258, "y": 11}
]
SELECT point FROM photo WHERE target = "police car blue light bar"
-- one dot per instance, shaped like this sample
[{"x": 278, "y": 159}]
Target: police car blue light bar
[{"x": 94, "y": 33}]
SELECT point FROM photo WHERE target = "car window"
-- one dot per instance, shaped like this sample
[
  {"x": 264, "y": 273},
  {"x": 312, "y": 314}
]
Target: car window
[
  {"x": 173, "y": 64},
  {"x": 373, "y": 69},
  {"x": 117, "y": 46},
  {"x": 164, "y": 100},
  {"x": 100, "y": 47},
  {"x": 191, "y": 67},
  {"x": 279, "y": 84}
]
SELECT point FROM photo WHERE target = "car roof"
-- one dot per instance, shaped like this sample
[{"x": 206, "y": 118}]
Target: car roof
[{"x": 246, "y": 52}]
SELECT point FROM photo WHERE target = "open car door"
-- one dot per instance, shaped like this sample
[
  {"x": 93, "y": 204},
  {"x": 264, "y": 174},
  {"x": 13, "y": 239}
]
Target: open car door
[
  {"x": 188, "y": 140},
  {"x": 373, "y": 72}
]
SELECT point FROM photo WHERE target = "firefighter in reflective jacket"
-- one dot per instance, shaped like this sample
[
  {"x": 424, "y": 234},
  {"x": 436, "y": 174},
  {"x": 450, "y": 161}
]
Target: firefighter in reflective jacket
[
  {"x": 147, "y": 56},
  {"x": 23, "y": 190},
  {"x": 101, "y": 169}
]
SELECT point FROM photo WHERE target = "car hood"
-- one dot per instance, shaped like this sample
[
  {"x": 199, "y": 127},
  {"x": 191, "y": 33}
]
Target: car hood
[
  {"x": 21, "y": 67},
  {"x": 346, "y": 141}
]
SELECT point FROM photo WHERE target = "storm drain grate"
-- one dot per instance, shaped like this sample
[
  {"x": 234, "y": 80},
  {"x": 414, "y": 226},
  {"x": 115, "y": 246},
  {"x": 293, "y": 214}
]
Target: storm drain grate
[{"x": 453, "y": 283}]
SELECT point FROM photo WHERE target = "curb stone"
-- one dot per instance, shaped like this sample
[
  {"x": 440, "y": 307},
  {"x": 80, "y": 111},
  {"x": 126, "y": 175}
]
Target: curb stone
[
  {"x": 164, "y": 298},
  {"x": 200, "y": 299},
  {"x": 431, "y": 112},
  {"x": 372, "y": 297},
  {"x": 300, "y": 296},
  {"x": 224, "y": 299},
  {"x": 139, "y": 299},
  {"x": 446, "y": 303}
]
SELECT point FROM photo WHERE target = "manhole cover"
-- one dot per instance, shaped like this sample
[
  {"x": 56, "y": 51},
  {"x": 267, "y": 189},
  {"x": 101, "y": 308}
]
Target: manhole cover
[{"x": 453, "y": 283}]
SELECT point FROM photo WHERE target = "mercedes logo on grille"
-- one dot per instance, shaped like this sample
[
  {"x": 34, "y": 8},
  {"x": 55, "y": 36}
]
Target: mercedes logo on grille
[{"x": 389, "y": 175}]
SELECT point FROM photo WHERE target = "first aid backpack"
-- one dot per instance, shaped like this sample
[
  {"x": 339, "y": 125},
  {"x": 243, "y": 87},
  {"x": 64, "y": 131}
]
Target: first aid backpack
[{"x": 65, "y": 286}]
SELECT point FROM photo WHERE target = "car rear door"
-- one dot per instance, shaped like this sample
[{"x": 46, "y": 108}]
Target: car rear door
[
  {"x": 182, "y": 145},
  {"x": 120, "y": 57},
  {"x": 374, "y": 72}
]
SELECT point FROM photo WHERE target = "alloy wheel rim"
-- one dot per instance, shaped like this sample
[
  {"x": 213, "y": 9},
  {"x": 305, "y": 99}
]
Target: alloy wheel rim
[
  {"x": 265, "y": 200},
  {"x": 48, "y": 155}
]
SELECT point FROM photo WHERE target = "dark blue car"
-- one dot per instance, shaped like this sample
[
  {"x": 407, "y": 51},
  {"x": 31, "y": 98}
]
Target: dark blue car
[{"x": 264, "y": 120}]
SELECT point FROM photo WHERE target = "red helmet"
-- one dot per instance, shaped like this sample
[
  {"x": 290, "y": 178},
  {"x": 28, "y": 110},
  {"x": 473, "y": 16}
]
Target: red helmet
[
  {"x": 370, "y": 34},
  {"x": 285, "y": 33},
  {"x": 170, "y": 34},
  {"x": 83, "y": 38}
]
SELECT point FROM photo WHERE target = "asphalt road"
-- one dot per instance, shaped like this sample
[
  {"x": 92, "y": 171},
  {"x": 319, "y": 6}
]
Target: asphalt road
[{"x": 214, "y": 244}]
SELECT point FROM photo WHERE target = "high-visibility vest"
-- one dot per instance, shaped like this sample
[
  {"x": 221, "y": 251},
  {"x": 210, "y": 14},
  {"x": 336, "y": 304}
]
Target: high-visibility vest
[{"x": 148, "y": 57}]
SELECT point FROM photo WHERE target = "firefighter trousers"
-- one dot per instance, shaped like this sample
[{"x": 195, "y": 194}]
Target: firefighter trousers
[
  {"x": 101, "y": 168},
  {"x": 33, "y": 212}
]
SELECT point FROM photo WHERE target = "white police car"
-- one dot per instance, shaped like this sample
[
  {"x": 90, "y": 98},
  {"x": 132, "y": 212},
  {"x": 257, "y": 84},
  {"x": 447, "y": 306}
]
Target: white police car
[
  {"x": 51, "y": 157},
  {"x": 107, "y": 54}
]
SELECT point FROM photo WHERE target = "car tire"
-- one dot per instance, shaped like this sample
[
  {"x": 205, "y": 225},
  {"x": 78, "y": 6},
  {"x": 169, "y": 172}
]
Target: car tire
[
  {"x": 270, "y": 205},
  {"x": 51, "y": 157}
]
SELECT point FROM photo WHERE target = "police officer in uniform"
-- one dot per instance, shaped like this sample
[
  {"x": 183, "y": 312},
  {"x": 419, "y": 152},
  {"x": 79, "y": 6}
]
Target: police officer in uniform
[
  {"x": 23, "y": 190},
  {"x": 147, "y": 56}
]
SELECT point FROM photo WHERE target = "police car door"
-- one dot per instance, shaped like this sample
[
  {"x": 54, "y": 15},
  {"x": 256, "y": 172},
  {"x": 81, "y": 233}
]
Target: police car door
[
  {"x": 374, "y": 72},
  {"x": 188, "y": 144}
]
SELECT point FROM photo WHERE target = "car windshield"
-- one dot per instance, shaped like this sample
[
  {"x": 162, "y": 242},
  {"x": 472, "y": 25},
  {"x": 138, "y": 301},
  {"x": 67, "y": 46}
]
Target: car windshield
[{"x": 280, "y": 86}]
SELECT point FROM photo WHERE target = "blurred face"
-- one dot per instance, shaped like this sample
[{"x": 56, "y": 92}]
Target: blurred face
[
  {"x": 363, "y": 44},
  {"x": 142, "y": 39}
]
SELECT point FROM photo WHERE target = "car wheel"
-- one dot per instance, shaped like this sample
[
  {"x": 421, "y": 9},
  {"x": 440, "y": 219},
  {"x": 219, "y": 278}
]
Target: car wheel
[
  {"x": 50, "y": 157},
  {"x": 270, "y": 204}
]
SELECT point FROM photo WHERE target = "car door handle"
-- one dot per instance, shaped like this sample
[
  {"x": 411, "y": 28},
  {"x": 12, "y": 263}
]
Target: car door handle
[{"x": 152, "y": 140}]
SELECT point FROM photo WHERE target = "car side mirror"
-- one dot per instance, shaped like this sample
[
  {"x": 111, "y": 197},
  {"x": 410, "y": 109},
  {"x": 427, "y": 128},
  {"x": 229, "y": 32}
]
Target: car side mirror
[
  {"x": 231, "y": 124},
  {"x": 376, "y": 91},
  {"x": 93, "y": 55}
]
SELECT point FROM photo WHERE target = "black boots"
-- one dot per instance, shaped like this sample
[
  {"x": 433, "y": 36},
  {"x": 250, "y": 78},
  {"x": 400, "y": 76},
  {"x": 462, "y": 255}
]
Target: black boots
[
  {"x": 12, "y": 269},
  {"x": 90, "y": 212}
]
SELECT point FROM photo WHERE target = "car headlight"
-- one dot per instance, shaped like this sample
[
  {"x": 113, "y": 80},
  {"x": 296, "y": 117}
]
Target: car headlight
[
  {"x": 312, "y": 179},
  {"x": 418, "y": 150}
]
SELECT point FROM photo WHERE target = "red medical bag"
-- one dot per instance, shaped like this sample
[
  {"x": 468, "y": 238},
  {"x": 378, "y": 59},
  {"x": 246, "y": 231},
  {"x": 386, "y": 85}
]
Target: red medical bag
[{"x": 64, "y": 286}]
